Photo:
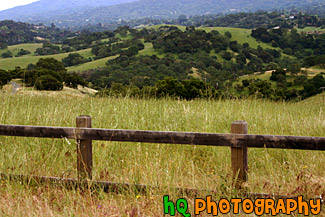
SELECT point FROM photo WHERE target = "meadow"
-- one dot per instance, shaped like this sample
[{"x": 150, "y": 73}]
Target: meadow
[
  {"x": 90, "y": 65},
  {"x": 289, "y": 172},
  {"x": 24, "y": 61}
]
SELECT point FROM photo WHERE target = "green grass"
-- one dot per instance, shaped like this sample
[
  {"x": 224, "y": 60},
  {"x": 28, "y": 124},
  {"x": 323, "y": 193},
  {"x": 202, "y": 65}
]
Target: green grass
[
  {"x": 124, "y": 37},
  {"x": 149, "y": 50},
  {"x": 24, "y": 61},
  {"x": 310, "y": 29},
  {"x": 15, "y": 48},
  {"x": 240, "y": 35},
  {"x": 30, "y": 47},
  {"x": 266, "y": 76},
  {"x": 270, "y": 170},
  {"x": 91, "y": 65}
]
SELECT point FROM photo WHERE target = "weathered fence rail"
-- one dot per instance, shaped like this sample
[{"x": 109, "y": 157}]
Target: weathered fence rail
[
  {"x": 239, "y": 141},
  {"x": 210, "y": 139}
]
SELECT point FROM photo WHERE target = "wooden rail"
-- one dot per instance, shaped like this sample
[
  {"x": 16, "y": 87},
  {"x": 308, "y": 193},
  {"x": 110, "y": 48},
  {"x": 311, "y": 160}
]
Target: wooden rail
[{"x": 238, "y": 141}]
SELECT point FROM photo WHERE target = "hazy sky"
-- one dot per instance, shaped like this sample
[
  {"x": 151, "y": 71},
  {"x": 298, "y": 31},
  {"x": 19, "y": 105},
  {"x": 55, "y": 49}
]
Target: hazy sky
[{"x": 5, "y": 4}]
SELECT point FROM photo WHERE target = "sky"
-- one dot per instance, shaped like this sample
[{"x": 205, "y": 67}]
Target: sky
[{"x": 6, "y": 4}]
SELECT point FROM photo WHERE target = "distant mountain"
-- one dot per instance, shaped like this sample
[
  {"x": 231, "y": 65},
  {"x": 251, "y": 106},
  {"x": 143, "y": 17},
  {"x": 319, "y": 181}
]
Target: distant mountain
[
  {"x": 81, "y": 12},
  {"x": 46, "y": 10}
]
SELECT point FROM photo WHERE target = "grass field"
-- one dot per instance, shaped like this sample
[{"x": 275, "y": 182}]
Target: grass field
[
  {"x": 239, "y": 34},
  {"x": 30, "y": 47},
  {"x": 311, "y": 72},
  {"x": 24, "y": 61},
  {"x": 311, "y": 29},
  {"x": 91, "y": 65},
  {"x": 15, "y": 48},
  {"x": 290, "y": 172}
]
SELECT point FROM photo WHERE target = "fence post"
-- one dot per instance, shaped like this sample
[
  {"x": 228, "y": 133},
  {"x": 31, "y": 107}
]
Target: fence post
[
  {"x": 84, "y": 150},
  {"x": 239, "y": 161}
]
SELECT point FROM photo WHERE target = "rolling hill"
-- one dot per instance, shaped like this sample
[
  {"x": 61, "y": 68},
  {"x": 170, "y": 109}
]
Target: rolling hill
[
  {"x": 43, "y": 9},
  {"x": 239, "y": 34},
  {"x": 81, "y": 13}
]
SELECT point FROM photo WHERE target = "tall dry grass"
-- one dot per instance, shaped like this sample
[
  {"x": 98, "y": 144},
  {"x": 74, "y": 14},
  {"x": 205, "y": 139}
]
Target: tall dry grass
[{"x": 290, "y": 172}]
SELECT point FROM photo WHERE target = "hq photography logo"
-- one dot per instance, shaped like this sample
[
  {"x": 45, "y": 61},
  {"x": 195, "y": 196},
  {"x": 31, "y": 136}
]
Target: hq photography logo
[{"x": 242, "y": 206}]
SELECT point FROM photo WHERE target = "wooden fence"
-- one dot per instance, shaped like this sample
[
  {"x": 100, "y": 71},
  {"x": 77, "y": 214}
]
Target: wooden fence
[{"x": 238, "y": 140}]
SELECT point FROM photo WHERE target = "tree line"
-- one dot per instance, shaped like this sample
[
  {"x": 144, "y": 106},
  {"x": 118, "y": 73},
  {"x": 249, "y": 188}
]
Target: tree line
[{"x": 46, "y": 74}]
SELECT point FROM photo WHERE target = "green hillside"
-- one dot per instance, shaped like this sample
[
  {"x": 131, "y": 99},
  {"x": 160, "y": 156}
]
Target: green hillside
[
  {"x": 149, "y": 50},
  {"x": 29, "y": 46},
  {"x": 90, "y": 65},
  {"x": 24, "y": 61},
  {"x": 311, "y": 29},
  {"x": 238, "y": 34}
]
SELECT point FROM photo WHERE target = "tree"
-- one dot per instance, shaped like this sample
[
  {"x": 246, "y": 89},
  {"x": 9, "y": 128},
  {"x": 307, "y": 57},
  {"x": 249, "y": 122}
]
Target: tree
[
  {"x": 294, "y": 68},
  {"x": 276, "y": 73},
  {"x": 48, "y": 82},
  {"x": 260, "y": 89},
  {"x": 50, "y": 63},
  {"x": 74, "y": 59},
  {"x": 301, "y": 79},
  {"x": 262, "y": 34},
  {"x": 170, "y": 86},
  {"x": 73, "y": 80},
  {"x": 241, "y": 59},
  {"x": 7, "y": 54},
  {"x": 233, "y": 46},
  {"x": 312, "y": 86},
  {"x": 228, "y": 34},
  {"x": 226, "y": 55},
  {"x": 245, "y": 82},
  {"x": 5, "y": 77},
  {"x": 22, "y": 52},
  {"x": 47, "y": 49},
  {"x": 3, "y": 46}
]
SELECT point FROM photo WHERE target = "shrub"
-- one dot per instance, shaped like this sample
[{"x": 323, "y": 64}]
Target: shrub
[
  {"x": 6, "y": 54},
  {"x": 5, "y": 77},
  {"x": 48, "y": 82}
]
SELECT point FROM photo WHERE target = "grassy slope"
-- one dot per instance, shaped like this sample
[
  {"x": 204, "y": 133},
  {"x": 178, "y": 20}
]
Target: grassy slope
[
  {"x": 149, "y": 50},
  {"x": 30, "y": 47},
  {"x": 15, "y": 48},
  {"x": 241, "y": 35},
  {"x": 266, "y": 76},
  {"x": 91, "y": 65},
  {"x": 272, "y": 171},
  {"x": 11, "y": 63},
  {"x": 310, "y": 29}
]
